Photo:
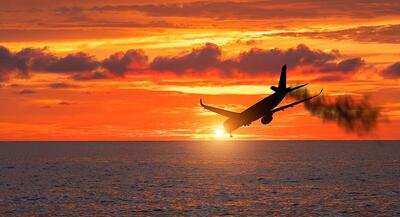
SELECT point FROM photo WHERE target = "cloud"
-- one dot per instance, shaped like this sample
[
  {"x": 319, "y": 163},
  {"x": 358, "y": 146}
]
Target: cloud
[
  {"x": 120, "y": 63},
  {"x": 285, "y": 9},
  {"x": 29, "y": 60},
  {"x": 26, "y": 91},
  {"x": 82, "y": 66},
  {"x": 95, "y": 75},
  {"x": 348, "y": 65},
  {"x": 64, "y": 103},
  {"x": 392, "y": 71},
  {"x": 199, "y": 60},
  {"x": 79, "y": 62},
  {"x": 62, "y": 85},
  {"x": 78, "y": 17},
  {"x": 381, "y": 33},
  {"x": 260, "y": 60},
  {"x": 254, "y": 61},
  {"x": 6, "y": 63}
]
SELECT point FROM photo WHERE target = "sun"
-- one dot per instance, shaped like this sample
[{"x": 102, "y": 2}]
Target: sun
[{"x": 219, "y": 132}]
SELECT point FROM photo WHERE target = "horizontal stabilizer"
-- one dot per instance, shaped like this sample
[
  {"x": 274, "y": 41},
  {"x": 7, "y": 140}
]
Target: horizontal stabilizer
[
  {"x": 222, "y": 112},
  {"x": 295, "y": 103},
  {"x": 275, "y": 89}
]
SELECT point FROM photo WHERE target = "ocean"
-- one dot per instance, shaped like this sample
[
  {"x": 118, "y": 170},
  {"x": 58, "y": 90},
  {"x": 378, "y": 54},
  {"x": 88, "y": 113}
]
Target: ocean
[{"x": 202, "y": 178}]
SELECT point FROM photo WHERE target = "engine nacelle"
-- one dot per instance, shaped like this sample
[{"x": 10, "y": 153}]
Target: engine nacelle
[{"x": 266, "y": 119}]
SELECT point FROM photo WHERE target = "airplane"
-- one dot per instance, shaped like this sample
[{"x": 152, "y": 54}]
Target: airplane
[{"x": 263, "y": 109}]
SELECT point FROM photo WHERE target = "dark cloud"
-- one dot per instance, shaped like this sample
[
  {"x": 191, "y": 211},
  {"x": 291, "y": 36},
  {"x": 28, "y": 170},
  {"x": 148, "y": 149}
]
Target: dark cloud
[
  {"x": 7, "y": 63},
  {"x": 6, "y": 59},
  {"x": 78, "y": 17},
  {"x": 62, "y": 85},
  {"x": 34, "y": 59},
  {"x": 382, "y": 34},
  {"x": 79, "y": 62},
  {"x": 254, "y": 61},
  {"x": 392, "y": 71},
  {"x": 26, "y": 91},
  {"x": 64, "y": 103},
  {"x": 82, "y": 66},
  {"x": 29, "y": 60},
  {"x": 120, "y": 63},
  {"x": 262, "y": 9},
  {"x": 199, "y": 60},
  {"x": 260, "y": 60},
  {"x": 109, "y": 24},
  {"x": 71, "y": 12},
  {"x": 354, "y": 116},
  {"x": 95, "y": 75},
  {"x": 348, "y": 65}
]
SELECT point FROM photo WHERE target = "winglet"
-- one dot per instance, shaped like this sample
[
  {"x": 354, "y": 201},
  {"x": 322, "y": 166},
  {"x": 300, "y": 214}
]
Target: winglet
[{"x": 201, "y": 103}]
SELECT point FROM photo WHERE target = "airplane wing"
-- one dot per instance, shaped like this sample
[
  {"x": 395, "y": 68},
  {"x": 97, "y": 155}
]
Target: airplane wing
[
  {"x": 295, "y": 88},
  {"x": 223, "y": 112},
  {"x": 295, "y": 103}
]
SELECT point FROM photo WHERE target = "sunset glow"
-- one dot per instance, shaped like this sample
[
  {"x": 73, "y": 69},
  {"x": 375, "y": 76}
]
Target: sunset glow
[{"x": 124, "y": 70}]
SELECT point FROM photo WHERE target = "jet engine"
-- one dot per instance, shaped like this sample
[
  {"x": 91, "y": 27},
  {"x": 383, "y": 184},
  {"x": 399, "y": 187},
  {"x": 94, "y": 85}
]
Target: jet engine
[{"x": 266, "y": 119}]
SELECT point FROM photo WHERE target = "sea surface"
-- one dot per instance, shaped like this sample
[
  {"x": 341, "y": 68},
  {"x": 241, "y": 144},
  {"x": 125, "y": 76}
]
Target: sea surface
[{"x": 210, "y": 178}]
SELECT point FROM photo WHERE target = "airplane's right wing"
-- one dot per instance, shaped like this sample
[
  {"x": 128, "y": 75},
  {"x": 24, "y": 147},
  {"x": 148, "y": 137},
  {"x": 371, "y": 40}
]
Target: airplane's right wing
[
  {"x": 295, "y": 103},
  {"x": 223, "y": 112}
]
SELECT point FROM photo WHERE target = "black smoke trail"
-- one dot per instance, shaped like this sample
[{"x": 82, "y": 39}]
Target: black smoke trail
[{"x": 354, "y": 116}]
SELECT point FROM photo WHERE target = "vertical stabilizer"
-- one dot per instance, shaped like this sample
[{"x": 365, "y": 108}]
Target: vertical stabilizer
[{"x": 282, "y": 80}]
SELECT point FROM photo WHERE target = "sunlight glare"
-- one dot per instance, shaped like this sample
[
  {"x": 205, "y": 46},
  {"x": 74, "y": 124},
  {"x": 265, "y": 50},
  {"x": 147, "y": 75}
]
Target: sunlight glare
[{"x": 219, "y": 132}]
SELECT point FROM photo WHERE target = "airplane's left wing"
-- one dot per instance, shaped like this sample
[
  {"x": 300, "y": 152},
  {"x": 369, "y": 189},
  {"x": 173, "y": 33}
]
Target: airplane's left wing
[
  {"x": 223, "y": 112},
  {"x": 295, "y": 103}
]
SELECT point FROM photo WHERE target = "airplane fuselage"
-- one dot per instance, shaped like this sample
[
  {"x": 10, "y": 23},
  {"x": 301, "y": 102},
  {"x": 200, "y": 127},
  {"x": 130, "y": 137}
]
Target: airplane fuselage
[{"x": 254, "y": 112}]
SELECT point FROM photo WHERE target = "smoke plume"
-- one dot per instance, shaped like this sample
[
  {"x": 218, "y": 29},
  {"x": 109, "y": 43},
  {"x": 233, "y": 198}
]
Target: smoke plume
[{"x": 352, "y": 115}]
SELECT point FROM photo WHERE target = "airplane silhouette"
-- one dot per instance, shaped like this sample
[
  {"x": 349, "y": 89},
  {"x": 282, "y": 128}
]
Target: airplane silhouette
[{"x": 263, "y": 109}]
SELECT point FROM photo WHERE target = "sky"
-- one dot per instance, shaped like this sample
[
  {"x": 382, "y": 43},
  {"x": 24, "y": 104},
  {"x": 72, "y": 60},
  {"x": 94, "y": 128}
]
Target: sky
[{"x": 135, "y": 70}]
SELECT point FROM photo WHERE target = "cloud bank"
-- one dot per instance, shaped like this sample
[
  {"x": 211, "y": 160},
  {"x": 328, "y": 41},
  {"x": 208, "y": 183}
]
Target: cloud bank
[
  {"x": 256, "y": 61},
  {"x": 370, "y": 34},
  {"x": 392, "y": 71},
  {"x": 261, "y": 9}
]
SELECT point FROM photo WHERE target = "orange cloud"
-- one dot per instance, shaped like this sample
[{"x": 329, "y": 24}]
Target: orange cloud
[
  {"x": 382, "y": 33},
  {"x": 260, "y": 9}
]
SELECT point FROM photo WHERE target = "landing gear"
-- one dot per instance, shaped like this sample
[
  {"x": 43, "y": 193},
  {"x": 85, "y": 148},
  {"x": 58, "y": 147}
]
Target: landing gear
[{"x": 230, "y": 134}]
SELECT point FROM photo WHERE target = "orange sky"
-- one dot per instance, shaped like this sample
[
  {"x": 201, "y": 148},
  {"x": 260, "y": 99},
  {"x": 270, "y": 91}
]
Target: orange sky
[{"x": 135, "y": 70}]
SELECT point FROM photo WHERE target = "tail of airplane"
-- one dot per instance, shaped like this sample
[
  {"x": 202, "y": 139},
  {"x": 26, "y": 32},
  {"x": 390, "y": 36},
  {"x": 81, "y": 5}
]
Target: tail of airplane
[{"x": 282, "y": 81}]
